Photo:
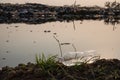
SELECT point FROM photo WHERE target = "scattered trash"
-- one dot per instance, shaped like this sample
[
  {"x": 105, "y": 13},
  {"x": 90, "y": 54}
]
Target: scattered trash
[{"x": 72, "y": 58}]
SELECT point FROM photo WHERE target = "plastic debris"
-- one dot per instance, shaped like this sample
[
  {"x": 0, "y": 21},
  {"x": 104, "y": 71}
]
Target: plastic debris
[{"x": 73, "y": 58}]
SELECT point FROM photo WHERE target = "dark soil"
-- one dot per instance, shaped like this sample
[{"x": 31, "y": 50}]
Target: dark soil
[{"x": 99, "y": 70}]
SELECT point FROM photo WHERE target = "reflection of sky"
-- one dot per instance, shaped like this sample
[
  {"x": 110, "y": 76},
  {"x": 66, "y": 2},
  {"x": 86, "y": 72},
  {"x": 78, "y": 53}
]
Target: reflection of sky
[
  {"x": 60, "y": 2},
  {"x": 20, "y": 44}
]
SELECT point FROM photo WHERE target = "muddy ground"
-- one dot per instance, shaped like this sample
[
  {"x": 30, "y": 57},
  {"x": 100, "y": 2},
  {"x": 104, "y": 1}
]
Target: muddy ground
[{"x": 99, "y": 70}]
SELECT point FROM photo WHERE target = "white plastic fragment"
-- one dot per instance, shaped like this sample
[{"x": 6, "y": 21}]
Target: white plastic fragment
[{"x": 72, "y": 58}]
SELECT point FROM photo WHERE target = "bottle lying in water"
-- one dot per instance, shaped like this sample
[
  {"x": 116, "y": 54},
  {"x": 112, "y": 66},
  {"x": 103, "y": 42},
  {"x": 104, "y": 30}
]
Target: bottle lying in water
[{"x": 73, "y": 58}]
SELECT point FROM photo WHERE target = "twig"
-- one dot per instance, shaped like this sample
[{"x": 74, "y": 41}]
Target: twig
[
  {"x": 74, "y": 47},
  {"x": 74, "y": 25},
  {"x": 59, "y": 45}
]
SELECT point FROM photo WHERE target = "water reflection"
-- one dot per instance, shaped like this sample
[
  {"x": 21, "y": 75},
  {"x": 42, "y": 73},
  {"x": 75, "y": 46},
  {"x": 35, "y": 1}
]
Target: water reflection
[
  {"x": 22, "y": 45},
  {"x": 111, "y": 20}
]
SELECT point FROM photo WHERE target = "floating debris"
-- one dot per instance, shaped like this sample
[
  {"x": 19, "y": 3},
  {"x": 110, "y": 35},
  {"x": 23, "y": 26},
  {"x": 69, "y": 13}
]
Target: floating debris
[
  {"x": 65, "y": 43},
  {"x": 34, "y": 42},
  {"x": 72, "y": 58},
  {"x": 47, "y": 31},
  {"x": 31, "y": 31},
  {"x": 3, "y": 58},
  {"x": 16, "y": 26},
  {"x": 7, "y": 41},
  {"x": 55, "y": 33},
  {"x": 7, "y": 51},
  {"x": 7, "y": 27}
]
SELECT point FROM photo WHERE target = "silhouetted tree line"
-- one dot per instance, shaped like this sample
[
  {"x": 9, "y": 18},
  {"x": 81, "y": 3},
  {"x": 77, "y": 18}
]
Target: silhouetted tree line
[{"x": 31, "y": 12}]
